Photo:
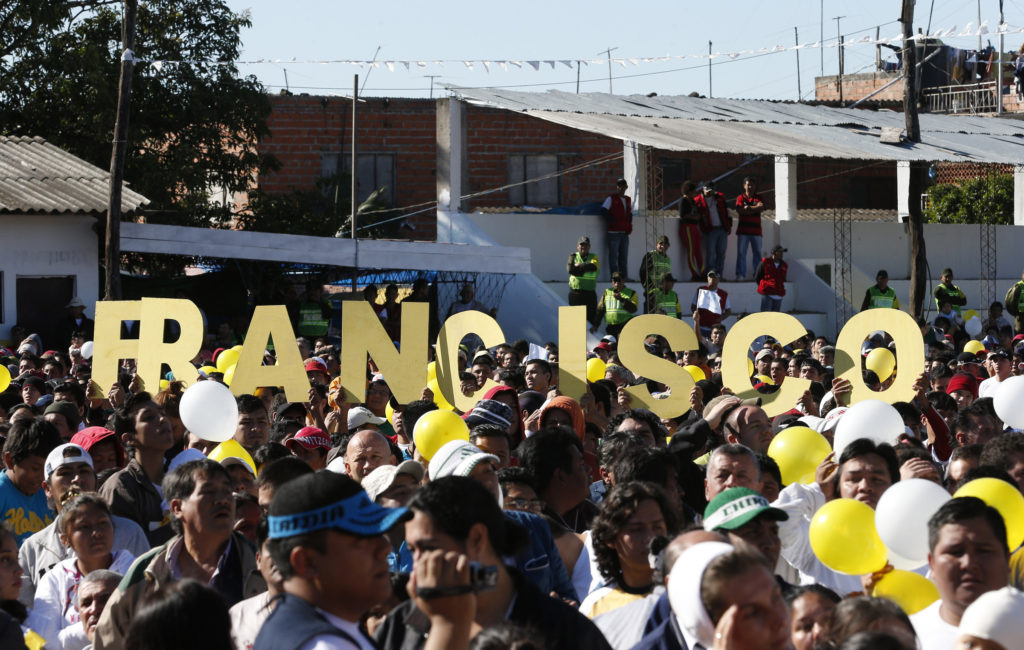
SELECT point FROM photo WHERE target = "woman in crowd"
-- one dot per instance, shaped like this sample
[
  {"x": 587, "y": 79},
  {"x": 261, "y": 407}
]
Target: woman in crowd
[
  {"x": 633, "y": 514},
  {"x": 810, "y": 608},
  {"x": 86, "y": 528}
]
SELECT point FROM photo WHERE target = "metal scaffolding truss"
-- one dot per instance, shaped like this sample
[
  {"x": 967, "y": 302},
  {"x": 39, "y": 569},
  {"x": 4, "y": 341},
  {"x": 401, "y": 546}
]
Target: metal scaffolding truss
[
  {"x": 652, "y": 176},
  {"x": 987, "y": 270},
  {"x": 842, "y": 265}
]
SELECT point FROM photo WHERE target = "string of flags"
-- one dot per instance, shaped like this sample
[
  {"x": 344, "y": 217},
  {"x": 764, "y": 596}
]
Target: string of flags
[{"x": 506, "y": 64}]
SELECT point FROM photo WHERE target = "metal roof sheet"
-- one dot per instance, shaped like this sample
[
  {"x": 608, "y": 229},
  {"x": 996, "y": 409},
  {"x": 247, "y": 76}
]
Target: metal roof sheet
[
  {"x": 683, "y": 123},
  {"x": 39, "y": 177}
]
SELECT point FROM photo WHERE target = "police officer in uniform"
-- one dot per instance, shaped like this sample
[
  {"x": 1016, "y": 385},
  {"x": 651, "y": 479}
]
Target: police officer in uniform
[
  {"x": 665, "y": 300},
  {"x": 881, "y": 295},
  {"x": 583, "y": 268},
  {"x": 617, "y": 306}
]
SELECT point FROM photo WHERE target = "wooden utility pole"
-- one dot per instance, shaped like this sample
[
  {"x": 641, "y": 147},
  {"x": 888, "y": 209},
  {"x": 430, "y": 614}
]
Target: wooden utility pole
[
  {"x": 112, "y": 257},
  {"x": 915, "y": 224}
]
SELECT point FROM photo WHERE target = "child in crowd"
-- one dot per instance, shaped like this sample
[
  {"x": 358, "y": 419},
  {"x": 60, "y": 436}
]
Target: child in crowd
[
  {"x": 22, "y": 500},
  {"x": 86, "y": 527}
]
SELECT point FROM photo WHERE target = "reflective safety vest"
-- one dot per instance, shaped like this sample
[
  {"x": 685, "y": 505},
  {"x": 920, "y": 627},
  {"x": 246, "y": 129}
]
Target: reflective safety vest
[
  {"x": 882, "y": 299},
  {"x": 658, "y": 266},
  {"x": 1020, "y": 298},
  {"x": 952, "y": 291},
  {"x": 667, "y": 302},
  {"x": 587, "y": 281},
  {"x": 311, "y": 320},
  {"x": 614, "y": 312}
]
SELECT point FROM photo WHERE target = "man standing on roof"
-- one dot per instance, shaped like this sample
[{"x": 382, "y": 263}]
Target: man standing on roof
[
  {"x": 949, "y": 292},
  {"x": 881, "y": 295},
  {"x": 748, "y": 229},
  {"x": 655, "y": 265},
  {"x": 583, "y": 268},
  {"x": 771, "y": 280},
  {"x": 617, "y": 306},
  {"x": 715, "y": 224},
  {"x": 617, "y": 210}
]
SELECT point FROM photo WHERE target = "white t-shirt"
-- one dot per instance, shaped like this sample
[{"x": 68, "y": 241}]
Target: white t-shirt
[
  {"x": 988, "y": 387},
  {"x": 933, "y": 633},
  {"x": 247, "y": 617}
]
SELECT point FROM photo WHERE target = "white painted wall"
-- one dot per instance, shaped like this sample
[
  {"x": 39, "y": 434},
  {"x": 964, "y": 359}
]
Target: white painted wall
[{"x": 45, "y": 245}]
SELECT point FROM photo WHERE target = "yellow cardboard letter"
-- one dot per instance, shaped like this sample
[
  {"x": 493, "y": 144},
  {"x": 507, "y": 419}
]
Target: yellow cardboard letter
[
  {"x": 448, "y": 340},
  {"x": 636, "y": 358},
  {"x": 783, "y": 328},
  {"x": 909, "y": 360},
  {"x": 179, "y": 354},
  {"x": 271, "y": 322},
  {"x": 108, "y": 346},
  {"x": 572, "y": 351},
  {"x": 363, "y": 334}
]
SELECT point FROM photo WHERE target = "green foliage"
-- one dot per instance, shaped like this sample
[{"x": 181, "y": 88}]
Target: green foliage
[
  {"x": 987, "y": 199},
  {"x": 193, "y": 125}
]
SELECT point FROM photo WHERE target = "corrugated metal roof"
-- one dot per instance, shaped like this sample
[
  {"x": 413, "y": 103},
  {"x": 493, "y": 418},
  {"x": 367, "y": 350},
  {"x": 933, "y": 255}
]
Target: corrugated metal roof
[
  {"x": 682, "y": 123},
  {"x": 38, "y": 177}
]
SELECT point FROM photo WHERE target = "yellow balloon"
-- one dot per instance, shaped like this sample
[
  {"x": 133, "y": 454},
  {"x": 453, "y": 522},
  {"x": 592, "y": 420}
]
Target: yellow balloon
[
  {"x": 436, "y": 428},
  {"x": 695, "y": 372},
  {"x": 164, "y": 384},
  {"x": 844, "y": 538},
  {"x": 969, "y": 314},
  {"x": 439, "y": 399},
  {"x": 750, "y": 367},
  {"x": 231, "y": 449},
  {"x": 389, "y": 413},
  {"x": 237, "y": 348},
  {"x": 226, "y": 359},
  {"x": 229, "y": 374},
  {"x": 208, "y": 369},
  {"x": 595, "y": 369},
  {"x": 798, "y": 452},
  {"x": 1003, "y": 497},
  {"x": 5, "y": 378},
  {"x": 431, "y": 370},
  {"x": 911, "y": 591},
  {"x": 974, "y": 347},
  {"x": 881, "y": 362}
]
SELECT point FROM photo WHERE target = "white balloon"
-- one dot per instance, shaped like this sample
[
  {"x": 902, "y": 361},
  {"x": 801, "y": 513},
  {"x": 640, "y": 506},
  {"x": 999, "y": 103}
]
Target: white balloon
[
  {"x": 872, "y": 419},
  {"x": 87, "y": 350},
  {"x": 901, "y": 518},
  {"x": 902, "y": 563},
  {"x": 208, "y": 409},
  {"x": 973, "y": 326},
  {"x": 1009, "y": 401}
]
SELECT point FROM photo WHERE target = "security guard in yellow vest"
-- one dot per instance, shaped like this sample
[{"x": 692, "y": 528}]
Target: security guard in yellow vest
[
  {"x": 880, "y": 296},
  {"x": 617, "y": 306},
  {"x": 665, "y": 299},
  {"x": 583, "y": 268},
  {"x": 946, "y": 291},
  {"x": 655, "y": 265},
  {"x": 314, "y": 314},
  {"x": 1015, "y": 304}
]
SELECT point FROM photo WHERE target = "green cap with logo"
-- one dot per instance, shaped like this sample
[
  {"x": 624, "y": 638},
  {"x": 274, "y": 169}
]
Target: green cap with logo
[{"x": 735, "y": 507}]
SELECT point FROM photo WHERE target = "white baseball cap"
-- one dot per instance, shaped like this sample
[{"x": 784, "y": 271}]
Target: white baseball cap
[{"x": 64, "y": 455}]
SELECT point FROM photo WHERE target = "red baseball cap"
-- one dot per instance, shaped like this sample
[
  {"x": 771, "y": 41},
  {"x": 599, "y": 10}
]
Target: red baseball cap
[{"x": 310, "y": 438}]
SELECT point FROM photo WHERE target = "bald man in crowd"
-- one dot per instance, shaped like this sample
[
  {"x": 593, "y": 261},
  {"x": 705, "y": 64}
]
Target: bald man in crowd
[{"x": 366, "y": 451}]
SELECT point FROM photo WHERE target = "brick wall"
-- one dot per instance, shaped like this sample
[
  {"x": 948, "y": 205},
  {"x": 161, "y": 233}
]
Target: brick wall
[
  {"x": 304, "y": 129},
  {"x": 856, "y": 86}
]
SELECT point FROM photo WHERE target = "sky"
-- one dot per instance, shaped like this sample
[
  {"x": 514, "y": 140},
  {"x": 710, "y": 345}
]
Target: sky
[{"x": 314, "y": 31}]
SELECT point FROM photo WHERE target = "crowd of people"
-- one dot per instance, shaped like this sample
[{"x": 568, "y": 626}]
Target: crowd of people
[{"x": 554, "y": 522}]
